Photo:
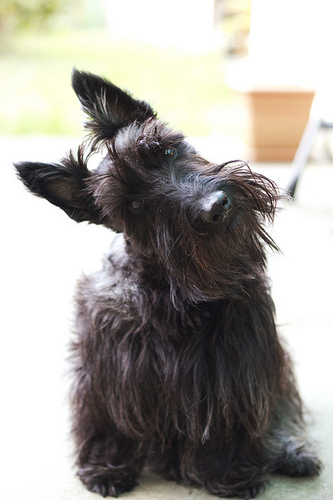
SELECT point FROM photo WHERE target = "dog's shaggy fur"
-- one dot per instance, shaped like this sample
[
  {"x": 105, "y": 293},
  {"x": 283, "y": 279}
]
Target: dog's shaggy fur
[{"x": 177, "y": 362}]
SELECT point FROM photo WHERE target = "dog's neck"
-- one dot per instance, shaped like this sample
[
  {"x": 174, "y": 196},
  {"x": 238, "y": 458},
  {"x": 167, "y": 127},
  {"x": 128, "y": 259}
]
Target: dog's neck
[{"x": 153, "y": 278}]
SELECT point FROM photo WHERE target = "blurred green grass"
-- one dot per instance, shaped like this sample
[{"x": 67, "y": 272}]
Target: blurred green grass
[{"x": 36, "y": 97}]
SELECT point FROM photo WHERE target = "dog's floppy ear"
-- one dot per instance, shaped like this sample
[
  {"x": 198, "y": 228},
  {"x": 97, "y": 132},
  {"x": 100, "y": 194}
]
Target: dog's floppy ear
[
  {"x": 64, "y": 185},
  {"x": 108, "y": 107}
]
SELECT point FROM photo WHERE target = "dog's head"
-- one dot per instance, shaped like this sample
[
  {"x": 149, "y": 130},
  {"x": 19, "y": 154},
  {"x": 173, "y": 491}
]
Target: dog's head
[{"x": 202, "y": 223}]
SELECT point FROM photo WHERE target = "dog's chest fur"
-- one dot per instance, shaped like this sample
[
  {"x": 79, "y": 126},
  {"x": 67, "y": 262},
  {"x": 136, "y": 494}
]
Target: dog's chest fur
[{"x": 174, "y": 368}]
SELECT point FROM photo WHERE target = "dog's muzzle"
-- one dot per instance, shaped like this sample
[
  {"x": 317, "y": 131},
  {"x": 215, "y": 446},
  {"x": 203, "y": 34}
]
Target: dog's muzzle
[{"x": 215, "y": 207}]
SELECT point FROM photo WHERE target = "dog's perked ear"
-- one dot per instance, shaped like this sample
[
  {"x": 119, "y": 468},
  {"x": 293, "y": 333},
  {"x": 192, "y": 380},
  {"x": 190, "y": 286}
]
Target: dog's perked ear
[
  {"x": 63, "y": 184},
  {"x": 108, "y": 107}
]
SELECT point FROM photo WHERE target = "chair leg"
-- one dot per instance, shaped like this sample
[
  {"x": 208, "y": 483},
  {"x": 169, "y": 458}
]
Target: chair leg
[{"x": 303, "y": 152}]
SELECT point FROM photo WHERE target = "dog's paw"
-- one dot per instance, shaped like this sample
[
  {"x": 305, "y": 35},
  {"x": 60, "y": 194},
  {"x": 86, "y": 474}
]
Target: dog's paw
[
  {"x": 300, "y": 462},
  {"x": 245, "y": 490},
  {"x": 107, "y": 481},
  {"x": 251, "y": 492}
]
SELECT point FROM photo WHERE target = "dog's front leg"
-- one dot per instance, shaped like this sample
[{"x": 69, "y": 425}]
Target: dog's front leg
[
  {"x": 112, "y": 464},
  {"x": 228, "y": 472},
  {"x": 108, "y": 461},
  {"x": 218, "y": 470}
]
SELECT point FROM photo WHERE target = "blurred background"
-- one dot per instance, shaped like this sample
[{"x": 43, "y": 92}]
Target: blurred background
[
  {"x": 240, "y": 78},
  {"x": 204, "y": 67},
  {"x": 172, "y": 53}
]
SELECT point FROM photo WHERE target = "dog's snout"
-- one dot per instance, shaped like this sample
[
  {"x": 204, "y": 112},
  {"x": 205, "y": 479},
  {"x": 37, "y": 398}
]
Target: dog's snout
[{"x": 215, "y": 207}]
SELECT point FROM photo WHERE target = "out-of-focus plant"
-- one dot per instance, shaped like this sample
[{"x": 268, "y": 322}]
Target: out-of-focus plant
[{"x": 17, "y": 14}]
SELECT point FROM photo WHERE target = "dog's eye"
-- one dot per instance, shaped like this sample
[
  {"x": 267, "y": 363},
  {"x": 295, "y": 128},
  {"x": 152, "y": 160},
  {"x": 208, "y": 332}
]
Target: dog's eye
[
  {"x": 170, "y": 153},
  {"x": 136, "y": 204}
]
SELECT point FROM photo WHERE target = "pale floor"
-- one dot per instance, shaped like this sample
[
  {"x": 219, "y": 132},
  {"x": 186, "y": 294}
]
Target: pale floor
[{"x": 43, "y": 254}]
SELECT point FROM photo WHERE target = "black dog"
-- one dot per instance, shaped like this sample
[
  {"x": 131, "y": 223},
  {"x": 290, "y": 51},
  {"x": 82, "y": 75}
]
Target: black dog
[{"x": 177, "y": 362}]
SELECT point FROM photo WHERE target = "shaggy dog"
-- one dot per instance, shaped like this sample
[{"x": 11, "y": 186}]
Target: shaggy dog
[{"x": 177, "y": 362}]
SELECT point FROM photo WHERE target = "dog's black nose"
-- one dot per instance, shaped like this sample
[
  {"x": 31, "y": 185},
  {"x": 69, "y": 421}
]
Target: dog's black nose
[{"x": 215, "y": 207}]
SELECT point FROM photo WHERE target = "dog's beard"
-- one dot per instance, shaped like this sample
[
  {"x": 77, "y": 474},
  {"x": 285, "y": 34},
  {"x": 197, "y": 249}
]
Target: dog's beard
[
  {"x": 208, "y": 263},
  {"x": 211, "y": 266}
]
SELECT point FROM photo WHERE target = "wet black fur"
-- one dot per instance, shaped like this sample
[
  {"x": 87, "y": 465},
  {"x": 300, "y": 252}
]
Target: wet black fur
[{"x": 177, "y": 362}]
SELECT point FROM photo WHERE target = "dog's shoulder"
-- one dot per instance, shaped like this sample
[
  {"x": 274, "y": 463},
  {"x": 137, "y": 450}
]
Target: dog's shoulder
[
  {"x": 113, "y": 287},
  {"x": 117, "y": 255}
]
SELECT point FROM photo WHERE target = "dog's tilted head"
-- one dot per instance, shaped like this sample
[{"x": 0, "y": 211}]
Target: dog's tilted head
[{"x": 197, "y": 225}]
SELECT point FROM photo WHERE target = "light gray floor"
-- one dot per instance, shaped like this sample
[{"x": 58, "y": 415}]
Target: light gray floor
[{"x": 43, "y": 253}]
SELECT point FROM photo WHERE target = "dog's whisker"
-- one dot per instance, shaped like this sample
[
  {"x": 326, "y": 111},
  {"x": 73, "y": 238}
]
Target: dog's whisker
[{"x": 173, "y": 246}]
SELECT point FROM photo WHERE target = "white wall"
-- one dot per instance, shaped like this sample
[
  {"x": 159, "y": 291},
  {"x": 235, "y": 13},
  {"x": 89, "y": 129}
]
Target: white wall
[
  {"x": 291, "y": 41},
  {"x": 186, "y": 24}
]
